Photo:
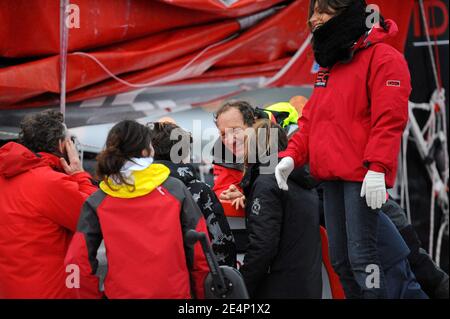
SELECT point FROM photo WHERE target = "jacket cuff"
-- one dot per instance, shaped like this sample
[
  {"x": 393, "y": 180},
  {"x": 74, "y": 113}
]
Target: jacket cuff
[
  {"x": 286, "y": 153},
  {"x": 377, "y": 168}
]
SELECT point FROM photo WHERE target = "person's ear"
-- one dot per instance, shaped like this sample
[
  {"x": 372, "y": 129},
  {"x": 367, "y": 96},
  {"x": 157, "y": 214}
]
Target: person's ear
[
  {"x": 152, "y": 151},
  {"x": 148, "y": 153},
  {"x": 62, "y": 146}
]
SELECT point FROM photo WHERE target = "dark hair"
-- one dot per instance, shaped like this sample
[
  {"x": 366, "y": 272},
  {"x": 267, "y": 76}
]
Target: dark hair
[
  {"x": 41, "y": 132},
  {"x": 337, "y": 6},
  {"x": 125, "y": 140},
  {"x": 162, "y": 143},
  {"x": 245, "y": 108}
]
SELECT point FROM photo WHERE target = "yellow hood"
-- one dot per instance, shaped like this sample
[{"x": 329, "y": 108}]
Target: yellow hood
[{"x": 145, "y": 181}]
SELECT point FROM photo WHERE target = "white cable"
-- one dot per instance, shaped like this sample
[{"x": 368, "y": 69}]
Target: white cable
[
  {"x": 439, "y": 242},
  {"x": 440, "y": 100},
  {"x": 445, "y": 224},
  {"x": 289, "y": 64},
  {"x": 430, "y": 118},
  {"x": 405, "y": 192},
  {"x": 432, "y": 215},
  {"x": 401, "y": 176},
  {"x": 169, "y": 78},
  {"x": 434, "y": 128}
]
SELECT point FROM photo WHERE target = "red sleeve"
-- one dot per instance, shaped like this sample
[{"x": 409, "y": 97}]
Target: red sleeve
[
  {"x": 77, "y": 255},
  {"x": 298, "y": 148},
  {"x": 389, "y": 88},
  {"x": 64, "y": 197},
  {"x": 82, "y": 252},
  {"x": 224, "y": 177},
  {"x": 84, "y": 181},
  {"x": 200, "y": 267}
]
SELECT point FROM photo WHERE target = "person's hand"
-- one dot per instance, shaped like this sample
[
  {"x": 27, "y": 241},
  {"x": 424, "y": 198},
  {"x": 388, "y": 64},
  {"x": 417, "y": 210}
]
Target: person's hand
[
  {"x": 231, "y": 193},
  {"x": 374, "y": 188},
  {"x": 239, "y": 202},
  {"x": 282, "y": 172},
  {"x": 74, "y": 166}
]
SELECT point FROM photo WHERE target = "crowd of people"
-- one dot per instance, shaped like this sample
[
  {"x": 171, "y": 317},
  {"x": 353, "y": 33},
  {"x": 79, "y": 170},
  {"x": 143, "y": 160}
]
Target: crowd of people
[{"x": 335, "y": 157}]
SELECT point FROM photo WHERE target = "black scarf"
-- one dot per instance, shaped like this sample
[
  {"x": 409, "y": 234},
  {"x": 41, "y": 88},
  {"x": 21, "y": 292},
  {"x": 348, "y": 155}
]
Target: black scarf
[{"x": 333, "y": 41}]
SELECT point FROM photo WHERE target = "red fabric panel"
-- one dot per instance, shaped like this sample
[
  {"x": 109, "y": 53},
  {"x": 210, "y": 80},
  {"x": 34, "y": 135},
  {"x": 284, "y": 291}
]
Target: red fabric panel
[
  {"x": 77, "y": 255},
  {"x": 238, "y": 8},
  {"x": 137, "y": 268},
  {"x": 31, "y": 27},
  {"x": 147, "y": 41},
  {"x": 147, "y": 53}
]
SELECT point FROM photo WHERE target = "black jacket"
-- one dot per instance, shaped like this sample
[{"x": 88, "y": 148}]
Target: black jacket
[
  {"x": 284, "y": 257},
  {"x": 222, "y": 240}
]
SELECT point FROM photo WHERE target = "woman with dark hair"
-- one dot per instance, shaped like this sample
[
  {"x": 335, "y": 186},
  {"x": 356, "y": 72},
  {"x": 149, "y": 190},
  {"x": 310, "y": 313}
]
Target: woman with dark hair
[
  {"x": 284, "y": 256},
  {"x": 350, "y": 133},
  {"x": 141, "y": 213}
]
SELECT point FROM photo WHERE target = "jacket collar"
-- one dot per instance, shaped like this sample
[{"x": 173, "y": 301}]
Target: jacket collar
[{"x": 142, "y": 182}]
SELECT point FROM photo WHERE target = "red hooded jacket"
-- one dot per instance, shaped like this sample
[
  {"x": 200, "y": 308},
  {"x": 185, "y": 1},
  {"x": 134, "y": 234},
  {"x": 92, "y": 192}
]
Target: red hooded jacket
[
  {"x": 357, "y": 113},
  {"x": 143, "y": 230},
  {"x": 39, "y": 210}
]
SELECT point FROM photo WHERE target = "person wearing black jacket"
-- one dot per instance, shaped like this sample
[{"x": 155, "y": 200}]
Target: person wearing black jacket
[
  {"x": 284, "y": 255},
  {"x": 222, "y": 239}
]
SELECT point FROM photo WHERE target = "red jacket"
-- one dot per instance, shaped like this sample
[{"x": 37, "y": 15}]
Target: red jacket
[
  {"x": 357, "y": 113},
  {"x": 224, "y": 177},
  {"x": 39, "y": 210},
  {"x": 142, "y": 229}
]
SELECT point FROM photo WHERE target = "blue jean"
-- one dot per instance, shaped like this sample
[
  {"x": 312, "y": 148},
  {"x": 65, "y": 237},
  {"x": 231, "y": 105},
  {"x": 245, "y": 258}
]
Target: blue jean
[{"x": 352, "y": 231}]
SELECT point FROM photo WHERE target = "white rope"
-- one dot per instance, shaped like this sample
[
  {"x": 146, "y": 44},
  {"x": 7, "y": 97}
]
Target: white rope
[
  {"x": 425, "y": 139},
  {"x": 178, "y": 75},
  {"x": 444, "y": 225},
  {"x": 432, "y": 216},
  {"x": 405, "y": 187},
  {"x": 289, "y": 64}
]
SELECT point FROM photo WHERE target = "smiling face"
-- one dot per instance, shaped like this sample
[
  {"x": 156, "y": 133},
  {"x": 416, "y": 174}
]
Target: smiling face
[
  {"x": 232, "y": 130},
  {"x": 320, "y": 15}
]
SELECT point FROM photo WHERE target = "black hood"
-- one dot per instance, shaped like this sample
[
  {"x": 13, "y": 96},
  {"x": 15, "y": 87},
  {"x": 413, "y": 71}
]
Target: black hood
[{"x": 184, "y": 172}]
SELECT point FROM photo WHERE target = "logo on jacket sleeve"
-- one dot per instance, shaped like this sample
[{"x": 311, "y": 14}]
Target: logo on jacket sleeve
[
  {"x": 256, "y": 207},
  {"x": 322, "y": 78},
  {"x": 394, "y": 83}
]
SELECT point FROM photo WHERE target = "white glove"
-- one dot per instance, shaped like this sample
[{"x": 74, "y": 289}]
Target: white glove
[
  {"x": 282, "y": 172},
  {"x": 374, "y": 188}
]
